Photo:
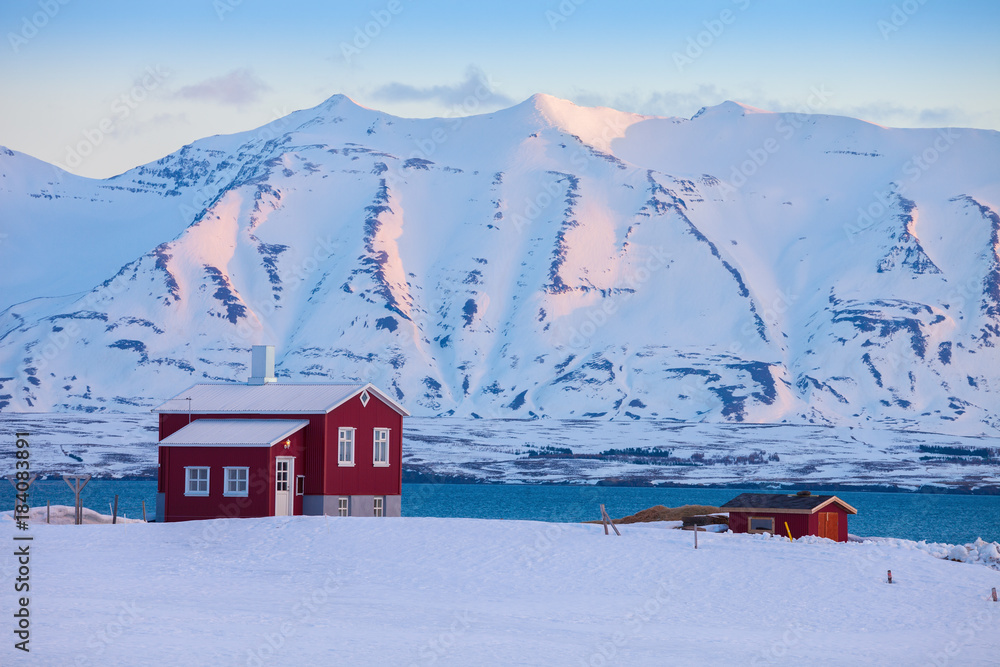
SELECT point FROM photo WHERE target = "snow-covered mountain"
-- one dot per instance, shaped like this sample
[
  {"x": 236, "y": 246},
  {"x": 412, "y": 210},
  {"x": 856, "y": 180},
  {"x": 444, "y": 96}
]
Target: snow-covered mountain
[{"x": 543, "y": 260}]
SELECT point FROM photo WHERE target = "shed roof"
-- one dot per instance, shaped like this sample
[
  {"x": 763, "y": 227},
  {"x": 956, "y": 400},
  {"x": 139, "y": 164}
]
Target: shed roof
[
  {"x": 234, "y": 432},
  {"x": 271, "y": 398},
  {"x": 786, "y": 503}
]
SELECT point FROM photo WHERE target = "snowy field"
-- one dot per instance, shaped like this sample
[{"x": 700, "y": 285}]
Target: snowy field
[
  {"x": 500, "y": 451},
  {"x": 420, "y": 591}
]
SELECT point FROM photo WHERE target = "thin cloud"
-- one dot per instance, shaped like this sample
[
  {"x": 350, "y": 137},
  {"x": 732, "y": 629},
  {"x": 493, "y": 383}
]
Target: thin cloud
[
  {"x": 240, "y": 86},
  {"x": 657, "y": 103},
  {"x": 476, "y": 86}
]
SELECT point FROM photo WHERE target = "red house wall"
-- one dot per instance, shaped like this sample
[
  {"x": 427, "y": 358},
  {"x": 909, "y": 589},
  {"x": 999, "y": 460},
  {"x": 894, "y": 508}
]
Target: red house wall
[
  {"x": 800, "y": 524},
  {"x": 315, "y": 437},
  {"x": 364, "y": 478},
  {"x": 315, "y": 449},
  {"x": 261, "y": 480}
]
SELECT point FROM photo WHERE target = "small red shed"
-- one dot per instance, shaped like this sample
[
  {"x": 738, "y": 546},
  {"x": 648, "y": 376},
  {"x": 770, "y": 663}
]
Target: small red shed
[
  {"x": 272, "y": 449},
  {"x": 799, "y": 514}
]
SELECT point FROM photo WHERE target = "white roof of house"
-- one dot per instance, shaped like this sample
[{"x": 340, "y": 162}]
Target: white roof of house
[
  {"x": 274, "y": 397},
  {"x": 234, "y": 432}
]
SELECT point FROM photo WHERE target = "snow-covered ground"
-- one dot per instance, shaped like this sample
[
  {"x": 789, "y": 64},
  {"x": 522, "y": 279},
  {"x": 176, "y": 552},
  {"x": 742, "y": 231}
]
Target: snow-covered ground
[
  {"x": 418, "y": 591},
  {"x": 116, "y": 445}
]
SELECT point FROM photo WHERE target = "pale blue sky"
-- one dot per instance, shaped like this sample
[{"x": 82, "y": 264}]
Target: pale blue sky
[{"x": 219, "y": 66}]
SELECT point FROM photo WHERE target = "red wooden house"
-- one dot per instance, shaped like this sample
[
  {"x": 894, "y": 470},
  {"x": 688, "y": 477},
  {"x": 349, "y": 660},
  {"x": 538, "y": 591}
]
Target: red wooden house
[
  {"x": 272, "y": 449},
  {"x": 799, "y": 514}
]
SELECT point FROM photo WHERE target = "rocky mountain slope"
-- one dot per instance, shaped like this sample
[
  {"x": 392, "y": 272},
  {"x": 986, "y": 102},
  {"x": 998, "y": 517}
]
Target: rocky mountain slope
[{"x": 544, "y": 260}]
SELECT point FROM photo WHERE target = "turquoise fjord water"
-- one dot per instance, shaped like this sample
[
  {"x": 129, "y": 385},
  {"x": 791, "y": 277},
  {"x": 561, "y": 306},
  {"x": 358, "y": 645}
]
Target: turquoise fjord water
[{"x": 912, "y": 516}]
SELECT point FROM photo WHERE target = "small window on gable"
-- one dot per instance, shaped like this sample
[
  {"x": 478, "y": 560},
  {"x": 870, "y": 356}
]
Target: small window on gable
[{"x": 364, "y": 398}]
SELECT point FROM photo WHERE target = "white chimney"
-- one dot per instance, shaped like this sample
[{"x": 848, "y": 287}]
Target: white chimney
[{"x": 262, "y": 365}]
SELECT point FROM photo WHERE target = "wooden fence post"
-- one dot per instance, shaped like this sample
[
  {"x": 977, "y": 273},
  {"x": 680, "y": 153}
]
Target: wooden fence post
[
  {"x": 144, "y": 511},
  {"x": 77, "y": 487},
  {"x": 114, "y": 511},
  {"x": 48, "y": 510},
  {"x": 994, "y": 594},
  {"x": 606, "y": 519}
]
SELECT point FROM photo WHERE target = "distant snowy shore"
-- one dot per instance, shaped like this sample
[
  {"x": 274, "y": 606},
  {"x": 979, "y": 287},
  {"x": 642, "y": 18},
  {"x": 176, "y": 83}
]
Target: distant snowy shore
[
  {"x": 421, "y": 591},
  {"x": 584, "y": 451}
]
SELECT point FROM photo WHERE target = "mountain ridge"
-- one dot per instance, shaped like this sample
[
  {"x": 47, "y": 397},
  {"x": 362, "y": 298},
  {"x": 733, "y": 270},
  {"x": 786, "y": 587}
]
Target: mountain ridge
[{"x": 543, "y": 260}]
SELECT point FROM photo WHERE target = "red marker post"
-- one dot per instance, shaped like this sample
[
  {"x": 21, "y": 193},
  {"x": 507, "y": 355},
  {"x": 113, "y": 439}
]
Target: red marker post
[{"x": 890, "y": 576}]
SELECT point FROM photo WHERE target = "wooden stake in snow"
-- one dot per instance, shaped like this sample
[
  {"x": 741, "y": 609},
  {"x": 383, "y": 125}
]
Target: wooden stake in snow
[
  {"x": 695, "y": 535},
  {"x": 994, "y": 594},
  {"x": 890, "y": 576},
  {"x": 77, "y": 487},
  {"x": 114, "y": 511},
  {"x": 48, "y": 510},
  {"x": 144, "y": 511},
  {"x": 606, "y": 519}
]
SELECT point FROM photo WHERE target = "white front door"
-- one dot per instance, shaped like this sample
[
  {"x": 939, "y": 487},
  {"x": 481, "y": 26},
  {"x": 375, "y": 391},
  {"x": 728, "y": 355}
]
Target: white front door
[{"x": 284, "y": 472}]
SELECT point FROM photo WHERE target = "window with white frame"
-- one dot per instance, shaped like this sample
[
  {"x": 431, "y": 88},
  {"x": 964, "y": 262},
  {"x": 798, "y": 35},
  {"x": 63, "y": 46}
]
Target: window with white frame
[
  {"x": 380, "y": 447},
  {"x": 345, "y": 447},
  {"x": 378, "y": 507},
  {"x": 300, "y": 484},
  {"x": 195, "y": 481},
  {"x": 341, "y": 506},
  {"x": 236, "y": 481}
]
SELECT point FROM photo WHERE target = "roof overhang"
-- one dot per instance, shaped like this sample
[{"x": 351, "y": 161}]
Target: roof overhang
[
  {"x": 212, "y": 432},
  {"x": 369, "y": 387}
]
